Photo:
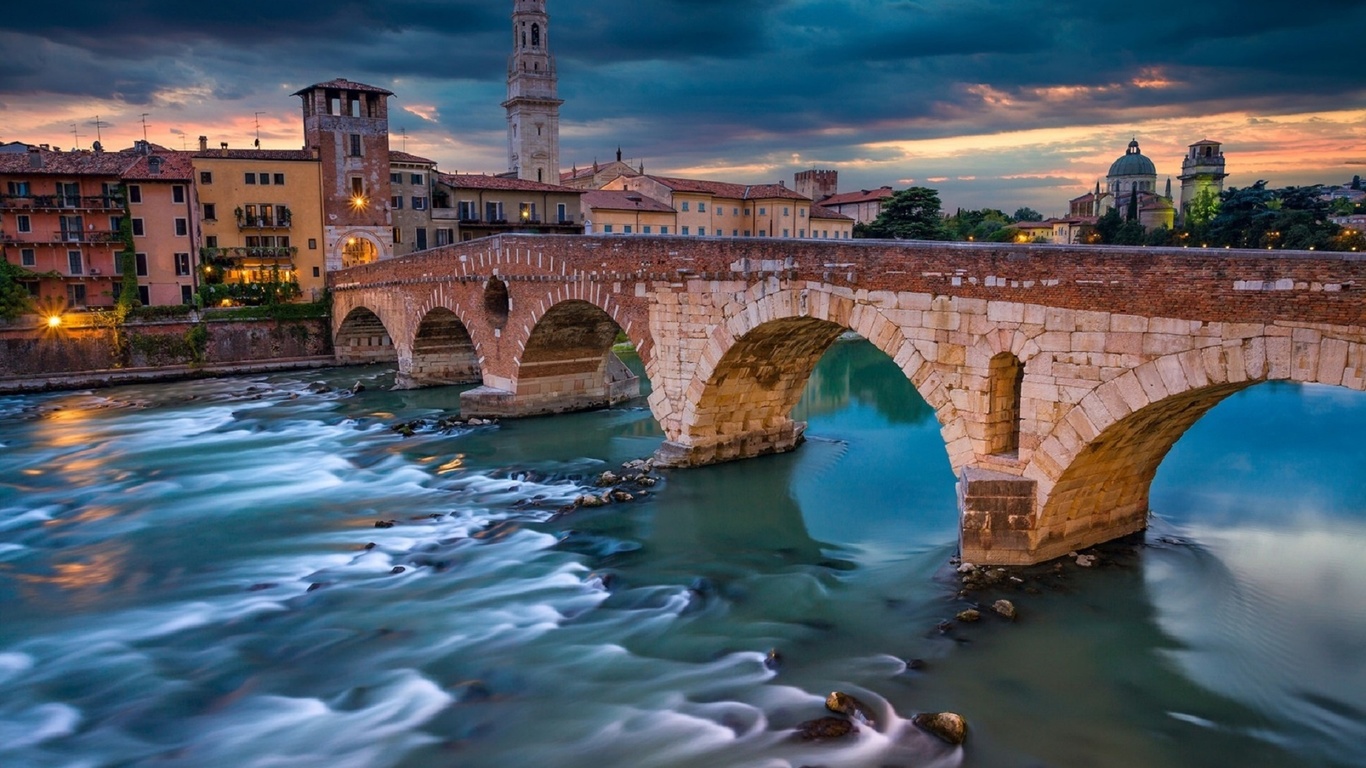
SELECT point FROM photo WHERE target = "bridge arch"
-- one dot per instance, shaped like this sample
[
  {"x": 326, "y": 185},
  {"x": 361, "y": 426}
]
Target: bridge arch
[
  {"x": 757, "y": 363},
  {"x": 443, "y": 352},
  {"x": 363, "y": 338},
  {"x": 1095, "y": 470}
]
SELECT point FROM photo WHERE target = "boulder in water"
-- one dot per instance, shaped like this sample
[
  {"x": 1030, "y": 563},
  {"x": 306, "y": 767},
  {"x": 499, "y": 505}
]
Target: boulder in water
[
  {"x": 357, "y": 388},
  {"x": 847, "y": 705},
  {"x": 948, "y": 726},
  {"x": 1005, "y": 608},
  {"x": 826, "y": 728},
  {"x": 969, "y": 616},
  {"x": 606, "y": 479}
]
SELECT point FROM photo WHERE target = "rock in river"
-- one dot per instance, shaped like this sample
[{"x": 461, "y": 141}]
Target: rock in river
[
  {"x": 1004, "y": 608},
  {"x": 946, "y": 725},
  {"x": 845, "y": 704},
  {"x": 825, "y": 728}
]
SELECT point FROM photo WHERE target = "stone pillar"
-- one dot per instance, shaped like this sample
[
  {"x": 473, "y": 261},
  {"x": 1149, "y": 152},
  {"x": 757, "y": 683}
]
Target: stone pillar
[
  {"x": 997, "y": 518},
  {"x": 780, "y": 439},
  {"x": 557, "y": 393}
]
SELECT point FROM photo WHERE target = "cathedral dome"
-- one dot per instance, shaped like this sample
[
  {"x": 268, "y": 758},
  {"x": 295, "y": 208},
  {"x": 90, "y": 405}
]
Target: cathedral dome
[{"x": 1133, "y": 163}]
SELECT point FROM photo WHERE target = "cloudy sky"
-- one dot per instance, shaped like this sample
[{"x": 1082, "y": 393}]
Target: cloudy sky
[{"x": 996, "y": 103}]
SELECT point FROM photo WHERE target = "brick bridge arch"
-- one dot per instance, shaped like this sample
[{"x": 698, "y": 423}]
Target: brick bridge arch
[{"x": 1060, "y": 375}]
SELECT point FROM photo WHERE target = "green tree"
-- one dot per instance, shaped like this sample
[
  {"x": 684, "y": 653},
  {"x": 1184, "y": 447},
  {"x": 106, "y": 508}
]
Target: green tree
[
  {"x": 1203, "y": 208},
  {"x": 1027, "y": 214},
  {"x": 14, "y": 297},
  {"x": 911, "y": 214},
  {"x": 1107, "y": 226}
]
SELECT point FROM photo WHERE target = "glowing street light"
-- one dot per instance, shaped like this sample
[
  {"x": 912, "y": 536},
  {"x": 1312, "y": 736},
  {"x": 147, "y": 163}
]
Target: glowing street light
[{"x": 54, "y": 321}]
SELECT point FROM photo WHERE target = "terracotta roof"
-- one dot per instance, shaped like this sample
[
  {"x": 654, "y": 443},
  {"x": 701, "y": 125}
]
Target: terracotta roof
[
  {"x": 862, "y": 196},
  {"x": 256, "y": 154},
  {"x": 480, "y": 181},
  {"x": 727, "y": 189},
  {"x": 396, "y": 156},
  {"x": 618, "y": 200},
  {"x": 1032, "y": 225},
  {"x": 821, "y": 212},
  {"x": 175, "y": 166},
  {"x": 342, "y": 84},
  {"x": 591, "y": 170},
  {"x": 80, "y": 163}
]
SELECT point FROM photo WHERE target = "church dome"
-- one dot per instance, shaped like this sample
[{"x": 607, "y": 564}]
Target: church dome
[{"x": 1133, "y": 163}]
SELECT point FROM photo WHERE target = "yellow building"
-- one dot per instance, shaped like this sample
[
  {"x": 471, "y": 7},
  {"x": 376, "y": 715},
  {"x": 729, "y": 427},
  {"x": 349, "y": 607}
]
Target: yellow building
[
  {"x": 261, "y": 214},
  {"x": 722, "y": 209},
  {"x": 471, "y": 206},
  {"x": 614, "y": 212},
  {"x": 827, "y": 224}
]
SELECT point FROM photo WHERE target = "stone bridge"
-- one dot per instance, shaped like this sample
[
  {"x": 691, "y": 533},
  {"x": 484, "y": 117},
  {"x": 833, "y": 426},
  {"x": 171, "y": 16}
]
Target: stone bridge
[{"x": 1060, "y": 375}]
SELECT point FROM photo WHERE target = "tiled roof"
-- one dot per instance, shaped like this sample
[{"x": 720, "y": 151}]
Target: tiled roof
[
  {"x": 821, "y": 212},
  {"x": 617, "y": 200},
  {"x": 342, "y": 84},
  {"x": 727, "y": 189},
  {"x": 862, "y": 196},
  {"x": 80, "y": 163},
  {"x": 480, "y": 181},
  {"x": 256, "y": 154},
  {"x": 175, "y": 166},
  {"x": 396, "y": 156}
]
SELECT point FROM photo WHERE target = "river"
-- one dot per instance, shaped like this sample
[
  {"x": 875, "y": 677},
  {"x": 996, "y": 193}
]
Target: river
[{"x": 191, "y": 575}]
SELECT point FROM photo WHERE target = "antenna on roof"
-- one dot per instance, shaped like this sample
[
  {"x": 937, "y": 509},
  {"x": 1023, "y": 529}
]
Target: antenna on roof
[
  {"x": 144, "y": 127},
  {"x": 98, "y": 125},
  {"x": 404, "y": 133},
  {"x": 76, "y": 132},
  {"x": 258, "y": 129}
]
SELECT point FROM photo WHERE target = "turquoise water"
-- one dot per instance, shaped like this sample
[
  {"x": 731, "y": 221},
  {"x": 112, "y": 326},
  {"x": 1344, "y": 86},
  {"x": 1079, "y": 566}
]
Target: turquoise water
[{"x": 186, "y": 580}]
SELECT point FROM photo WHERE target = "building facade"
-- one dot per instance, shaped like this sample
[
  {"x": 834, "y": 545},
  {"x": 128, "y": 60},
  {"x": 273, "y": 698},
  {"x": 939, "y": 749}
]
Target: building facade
[
  {"x": 471, "y": 206},
  {"x": 533, "y": 103},
  {"x": 163, "y": 205},
  {"x": 261, "y": 217},
  {"x": 411, "y": 186},
  {"x": 1202, "y": 169}
]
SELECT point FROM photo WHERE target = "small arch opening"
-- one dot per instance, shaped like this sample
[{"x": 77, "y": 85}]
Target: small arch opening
[
  {"x": 497, "y": 303},
  {"x": 1005, "y": 382}
]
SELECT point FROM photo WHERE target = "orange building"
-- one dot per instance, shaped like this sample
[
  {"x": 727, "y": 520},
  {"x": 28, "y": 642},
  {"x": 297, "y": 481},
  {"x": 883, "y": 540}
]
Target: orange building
[{"x": 162, "y": 205}]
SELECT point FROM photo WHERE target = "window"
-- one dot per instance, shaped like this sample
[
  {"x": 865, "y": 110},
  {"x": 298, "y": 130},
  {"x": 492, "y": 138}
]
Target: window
[
  {"x": 317, "y": 272},
  {"x": 746, "y": 211},
  {"x": 445, "y": 237},
  {"x": 686, "y": 231},
  {"x": 398, "y": 236},
  {"x": 141, "y": 260},
  {"x": 313, "y": 245},
  {"x": 801, "y": 233},
  {"x": 763, "y": 211},
  {"x": 134, "y": 193},
  {"x": 265, "y": 179},
  {"x": 787, "y": 233},
  {"x": 250, "y": 178},
  {"x": 74, "y": 264},
  {"x": 801, "y": 212},
  {"x": 280, "y": 179},
  {"x": 178, "y": 194},
  {"x": 493, "y": 212},
  {"x": 419, "y": 203},
  {"x": 206, "y": 177},
  {"x": 395, "y": 178},
  {"x": 23, "y": 223},
  {"x": 182, "y": 264},
  {"x": 144, "y": 295},
  {"x": 562, "y": 213},
  {"x": 747, "y": 233},
  {"x": 357, "y": 186},
  {"x": 186, "y": 294},
  {"x": 607, "y": 229},
  {"x": 18, "y": 189},
  {"x": 735, "y": 233},
  {"x": 736, "y": 212},
  {"x": 626, "y": 229},
  {"x": 685, "y": 206},
  {"x": 701, "y": 231},
  {"x": 701, "y": 207},
  {"x": 526, "y": 211},
  {"x": 645, "y": 229},
  {"x": 28, "y": 257},
  {"x": 115, "y": 224},
  {"x": 75, "y": 295},
  {"x": 210, "y": 212},
  {"x": 415, "y": 178},
  {"x": 663, "y": 229},
  {"x": 182, "y": 228},
  {"x": 467, "y": 211},
  {"x": 355, "y": 145},
  {"x": 787, "y": 211},
  {"x": 211, "y": 241},
  {"x": 138, "y": 229},
  {"x": 422, "y": 238},
  {"x": 396, "y": 202}
]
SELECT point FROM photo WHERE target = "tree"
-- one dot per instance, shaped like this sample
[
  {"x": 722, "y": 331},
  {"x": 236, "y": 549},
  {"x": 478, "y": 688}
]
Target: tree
[
  {"x": 1132, "y": 214},
  {"x": 14, "y": 298},
  {"x": 911, "y": 214},
  {"x": 1027, "y": 214},
  {"x": 1107, "y": 226},
  {"x": 1203, "y": 208}
]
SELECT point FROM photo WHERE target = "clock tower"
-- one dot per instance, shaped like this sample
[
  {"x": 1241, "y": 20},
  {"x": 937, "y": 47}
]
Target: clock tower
[{"x": 533, "y": 103}]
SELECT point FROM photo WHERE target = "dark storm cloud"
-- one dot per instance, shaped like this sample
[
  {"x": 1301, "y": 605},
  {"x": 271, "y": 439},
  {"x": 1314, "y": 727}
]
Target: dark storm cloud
[{"x": 704, "y": 78}]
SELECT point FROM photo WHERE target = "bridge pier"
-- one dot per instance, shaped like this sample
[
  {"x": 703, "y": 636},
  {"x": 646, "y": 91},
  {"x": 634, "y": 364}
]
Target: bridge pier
[
  {"x": 780, "y": 439},
  {"x": 565, "y": 392}
]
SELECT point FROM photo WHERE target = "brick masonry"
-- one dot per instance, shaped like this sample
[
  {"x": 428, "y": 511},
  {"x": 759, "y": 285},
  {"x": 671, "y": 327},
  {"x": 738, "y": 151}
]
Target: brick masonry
[{"x": 1122, "y": 348}]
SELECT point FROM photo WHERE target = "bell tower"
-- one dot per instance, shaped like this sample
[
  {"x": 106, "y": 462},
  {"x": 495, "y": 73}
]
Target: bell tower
[
  {"x": 1201, "y": 169},
  {"x": 533, "y": 103}
]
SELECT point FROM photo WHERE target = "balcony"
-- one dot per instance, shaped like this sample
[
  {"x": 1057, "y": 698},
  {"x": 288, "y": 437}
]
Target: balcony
[
  {"x": 86, "y": 236},
  {"x": 262, "y": 224},
  {"x": 61, "y": 202},
  {"x": 209, "y": 255}
]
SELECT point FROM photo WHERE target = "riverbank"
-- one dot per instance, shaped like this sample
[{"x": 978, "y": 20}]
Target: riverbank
[{"x": 115, "y": 376}]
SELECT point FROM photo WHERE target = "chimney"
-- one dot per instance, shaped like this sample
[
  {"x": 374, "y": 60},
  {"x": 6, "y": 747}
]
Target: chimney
[
  {"x": 35, "y": 158},
  {"x": 203, "y": 143}
]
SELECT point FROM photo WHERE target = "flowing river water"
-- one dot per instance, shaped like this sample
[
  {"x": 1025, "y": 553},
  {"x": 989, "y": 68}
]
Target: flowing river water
[{"x": 187, "y": 578}]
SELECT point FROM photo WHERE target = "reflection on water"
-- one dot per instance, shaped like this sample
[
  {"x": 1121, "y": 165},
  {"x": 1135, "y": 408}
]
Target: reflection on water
[{"x": 192, "y": 574}]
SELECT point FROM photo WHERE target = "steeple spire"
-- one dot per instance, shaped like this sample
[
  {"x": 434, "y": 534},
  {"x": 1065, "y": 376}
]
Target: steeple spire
[{"x": 533, "y": 103}]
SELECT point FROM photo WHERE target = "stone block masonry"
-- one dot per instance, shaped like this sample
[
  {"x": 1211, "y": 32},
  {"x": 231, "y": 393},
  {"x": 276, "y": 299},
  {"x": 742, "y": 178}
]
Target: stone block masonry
[{"x": 1071, "y": 369}]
